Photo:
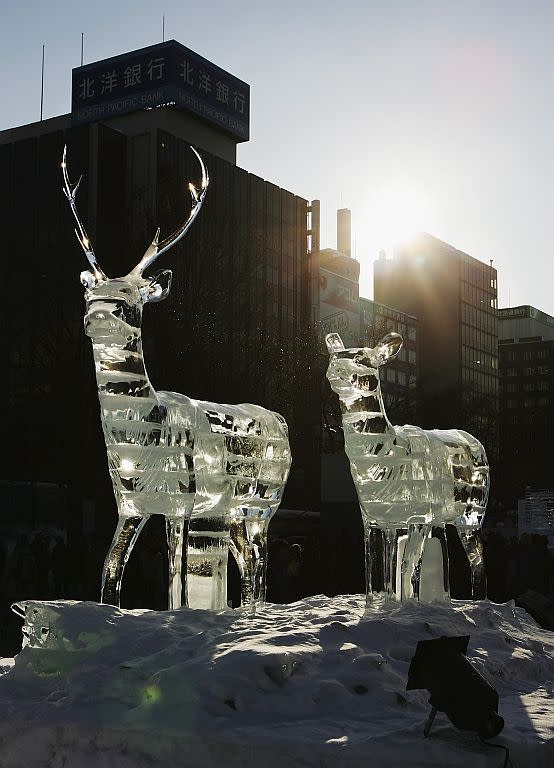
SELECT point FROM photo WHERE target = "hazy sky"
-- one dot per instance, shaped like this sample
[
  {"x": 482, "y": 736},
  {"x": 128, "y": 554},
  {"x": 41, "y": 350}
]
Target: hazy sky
[{"x": 434, "y": 115}]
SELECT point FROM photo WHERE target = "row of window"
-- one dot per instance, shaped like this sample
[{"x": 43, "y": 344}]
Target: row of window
[
  {"x": 477, "y": 297},
  {"x": 485, "y": 383},
  {"x": 539, "y": 370},
  {"x": 526, "y": 354},
  {"x": 527, "y": 417},
  {"x": 406, "y": 331},
  {"x": 479, "y": 339},
  {"x": 482, "y": 318},
  {"x": 399, "y": 377},
  {"x": 529, "y": 402},
  {"x": 477, "y": 273},
  {"x": 528, "y": 386},
  {"x": 472, "y": 357}
]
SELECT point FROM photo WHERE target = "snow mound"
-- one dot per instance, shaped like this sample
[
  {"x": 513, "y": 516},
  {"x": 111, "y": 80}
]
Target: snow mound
[{"x": 316, "y": 683}]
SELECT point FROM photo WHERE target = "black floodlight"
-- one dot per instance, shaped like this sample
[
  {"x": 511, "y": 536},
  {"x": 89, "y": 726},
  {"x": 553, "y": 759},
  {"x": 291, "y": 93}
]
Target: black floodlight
[{"x": 456, "y": 687}]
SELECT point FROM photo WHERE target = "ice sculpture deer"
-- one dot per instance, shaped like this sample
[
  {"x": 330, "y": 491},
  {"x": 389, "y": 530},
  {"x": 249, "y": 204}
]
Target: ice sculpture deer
[
  {"x": 406, "y": 477},
  {"x": 167, "y": 453}
]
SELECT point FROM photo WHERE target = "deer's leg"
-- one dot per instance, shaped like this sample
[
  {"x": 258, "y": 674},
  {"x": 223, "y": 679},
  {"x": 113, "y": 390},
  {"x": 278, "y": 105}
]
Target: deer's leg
[
  {"x": 125, "y": 536},
  {"x": 435, "y": 584},
  {"x": 177, "y": 531},
  {"x": 370, "y": 532},
  {"x": 207, "y": 554},
  {"x": 472, "y": 542},
  {"x": 391, "y": 566},
  {"x": 411, "y": 562},
  {"x": 248, "y": 543}
]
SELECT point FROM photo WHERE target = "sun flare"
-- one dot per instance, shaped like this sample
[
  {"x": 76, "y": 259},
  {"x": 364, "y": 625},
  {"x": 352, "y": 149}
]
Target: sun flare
[{"x": 397, "y": 211}]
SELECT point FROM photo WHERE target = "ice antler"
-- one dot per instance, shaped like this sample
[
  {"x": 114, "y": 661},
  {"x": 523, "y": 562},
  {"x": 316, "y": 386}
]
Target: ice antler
[
  {"x": 70, "y": 191},
  {"x": 156, "y": 249}
]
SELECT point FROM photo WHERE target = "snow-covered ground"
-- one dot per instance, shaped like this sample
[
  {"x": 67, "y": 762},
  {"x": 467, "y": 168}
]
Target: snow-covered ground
[{"x": 315, "y": 683}]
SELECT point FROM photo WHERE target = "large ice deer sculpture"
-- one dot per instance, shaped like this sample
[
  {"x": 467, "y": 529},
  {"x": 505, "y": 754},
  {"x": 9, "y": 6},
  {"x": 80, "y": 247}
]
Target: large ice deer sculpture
[
  {"x": 407, "y": 478},
  {"x": 167, "y": 453}
]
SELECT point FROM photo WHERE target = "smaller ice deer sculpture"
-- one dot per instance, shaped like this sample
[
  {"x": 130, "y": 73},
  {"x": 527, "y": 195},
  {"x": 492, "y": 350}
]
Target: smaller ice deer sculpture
[
  {"x": 408, "y": 479},
  {"x": 167, "y": 453}
]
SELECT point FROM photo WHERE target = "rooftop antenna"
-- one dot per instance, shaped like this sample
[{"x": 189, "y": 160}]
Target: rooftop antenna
[
  {"x": 163, "y": 29},
  {"x": 82, "y": 48},
  {"x": 42, "y": 85}
]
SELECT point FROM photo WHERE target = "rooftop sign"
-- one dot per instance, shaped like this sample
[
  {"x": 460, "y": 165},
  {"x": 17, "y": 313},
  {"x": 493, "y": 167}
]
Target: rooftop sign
[
  {"x": 525, "y": 311},
  {"x": 167, "y": 73}
]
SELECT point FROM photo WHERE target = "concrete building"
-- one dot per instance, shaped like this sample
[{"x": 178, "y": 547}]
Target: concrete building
[
  {"x": 454, "y": 297},
  {"x": 526, "y": 353}
]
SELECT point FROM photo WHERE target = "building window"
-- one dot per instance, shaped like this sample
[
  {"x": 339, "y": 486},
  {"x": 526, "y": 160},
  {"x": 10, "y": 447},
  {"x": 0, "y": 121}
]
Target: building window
[
  {"x": 511, "y": 371},
  {"x": 412, "y": 333},
  {"x": 511, "y": 386},
  {"x": 544, "y": 402},
  {"x": 528, "y": 402},
  {"x": 529, "y": 371},
  {"x": 543, "y": 369},
  {"x": 412, "y": 356},
  {"x": 511, "y": 403},
  {"x": 402, "y": 378}
]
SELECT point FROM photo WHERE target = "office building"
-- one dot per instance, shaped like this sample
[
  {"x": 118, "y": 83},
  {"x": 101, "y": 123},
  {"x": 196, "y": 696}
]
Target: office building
[
  {"x": 526, "y": 359},
  {"x": 454, "y": 297}
]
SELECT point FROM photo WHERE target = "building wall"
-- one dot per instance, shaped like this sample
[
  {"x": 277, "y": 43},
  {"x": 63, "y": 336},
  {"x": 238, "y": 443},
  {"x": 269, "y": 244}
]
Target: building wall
[
  {"x": 339, "y": 309},
  {"x": 454, "y": 298},
  {"x": 526, "y": 348}
]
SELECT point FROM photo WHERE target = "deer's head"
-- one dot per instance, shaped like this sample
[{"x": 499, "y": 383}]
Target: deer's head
[
  {"x": 354, "y": 372},
  {"x": 114, "y": 305}
]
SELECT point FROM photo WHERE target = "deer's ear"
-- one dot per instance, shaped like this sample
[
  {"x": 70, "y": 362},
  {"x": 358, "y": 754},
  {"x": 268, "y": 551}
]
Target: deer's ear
[
  {"x": 334, "y": 343},
  {"x": 88, "y": 279},
  {"x": 389, "y": 346},
  {"x": 158, "y": 286}
]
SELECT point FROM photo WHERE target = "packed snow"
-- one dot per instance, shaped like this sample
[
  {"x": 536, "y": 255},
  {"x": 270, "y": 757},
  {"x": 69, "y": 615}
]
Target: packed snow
[{"x": 315, "y": 683}]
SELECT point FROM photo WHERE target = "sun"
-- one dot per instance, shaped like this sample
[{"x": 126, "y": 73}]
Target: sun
[{"x": 397, "y": 211}]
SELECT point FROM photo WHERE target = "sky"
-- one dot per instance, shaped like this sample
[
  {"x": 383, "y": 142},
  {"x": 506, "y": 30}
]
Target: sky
[{"x": 416, "y": 115}]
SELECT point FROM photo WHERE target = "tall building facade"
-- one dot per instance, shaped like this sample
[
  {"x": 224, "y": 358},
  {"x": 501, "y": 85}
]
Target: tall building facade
[
  {"x": 526, "y": 351},
  {"x": 454, "y": 297}
]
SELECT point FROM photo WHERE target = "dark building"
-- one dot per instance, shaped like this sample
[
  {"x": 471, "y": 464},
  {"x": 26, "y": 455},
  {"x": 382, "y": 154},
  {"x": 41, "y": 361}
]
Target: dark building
[
  {"x": 454, "y": 297},
  {"x": 526, "y": 356},
  {"x": 238, "y": 325},
  {"x": 399, "y": 377}
]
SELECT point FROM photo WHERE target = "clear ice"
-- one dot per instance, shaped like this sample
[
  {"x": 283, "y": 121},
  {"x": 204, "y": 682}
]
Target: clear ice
[
  {"x": 220, "y": 469},
  {"x": 410, "y": 481}
]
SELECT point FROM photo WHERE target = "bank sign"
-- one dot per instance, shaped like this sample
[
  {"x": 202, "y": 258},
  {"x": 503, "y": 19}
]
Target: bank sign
[{"x": 163, "y": 74}]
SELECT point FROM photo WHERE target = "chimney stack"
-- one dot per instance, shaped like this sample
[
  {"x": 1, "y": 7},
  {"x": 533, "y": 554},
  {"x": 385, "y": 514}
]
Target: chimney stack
[{"x": 343, "y": 231}]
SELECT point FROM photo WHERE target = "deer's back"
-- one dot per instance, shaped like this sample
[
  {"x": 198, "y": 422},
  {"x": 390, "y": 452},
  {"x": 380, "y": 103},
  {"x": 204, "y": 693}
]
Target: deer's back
[
  {"x": 241, "y": 452},
  {"x": 408, "y": 474},
  {"x": 170, "y": 454}
]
